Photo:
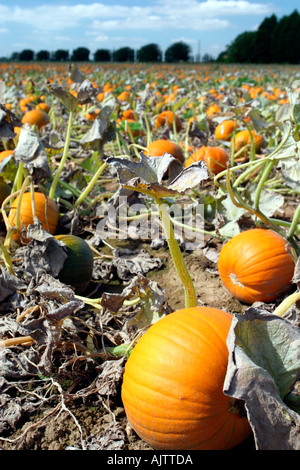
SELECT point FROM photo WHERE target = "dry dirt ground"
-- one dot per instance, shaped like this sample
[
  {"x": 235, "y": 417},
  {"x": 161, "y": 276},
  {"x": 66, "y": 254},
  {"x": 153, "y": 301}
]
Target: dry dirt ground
[{"x": 95, "y": 425}]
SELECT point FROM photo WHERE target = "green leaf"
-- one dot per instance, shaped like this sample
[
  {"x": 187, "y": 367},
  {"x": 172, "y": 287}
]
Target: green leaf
[
  {"x": 263, "y": 368},
  {"x": 148, "y": 175},
  {"x": 92, "y": 164},
  {"x": 65, "y": 96},
  {"x": 176, "y": 106}
]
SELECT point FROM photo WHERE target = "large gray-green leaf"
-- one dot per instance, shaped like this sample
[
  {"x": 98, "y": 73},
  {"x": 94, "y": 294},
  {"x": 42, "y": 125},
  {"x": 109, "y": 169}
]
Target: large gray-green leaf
[
  {"x": 101, "y": 130},
  {"x": 158, "y": 176},
  {"x": 290, "y": 148},
  {"x": 32, "y": 153},
  {"x": 65, "y": 96},
  {"x": 290, "y": 169},
  {"x": 86, "y": 92},
  {"x": 269, "y": 202},
  {"x": 263, "y": 369}
]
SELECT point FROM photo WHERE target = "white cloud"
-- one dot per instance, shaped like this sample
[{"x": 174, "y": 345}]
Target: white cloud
[
  {"x": 200, "y": 15},
  {"x": 210, "y": 8},
  {"x": 95, "y": 24}
]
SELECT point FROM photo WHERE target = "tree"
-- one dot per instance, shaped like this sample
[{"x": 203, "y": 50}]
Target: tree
[
  {"x": 43, "y": 55},
  {"x": 149, "y": 53},
  {"x": 178, "y": 52},
  {"x": 61, "y": 55},
  {"x": 286, "y": 47},
  {"x": 275, "y": 41},
  {"x": 26, "y": 55},
  {"x": 102, "y": 55},
  {"x": 262, "y": 48},
  {"x": 241, "y": 50},
  {"x": 14, "y": 56},
  {"x": 223, "y": 57},
  {"x": 124, "y": 54},
  {"x": 81, "y": 54}
]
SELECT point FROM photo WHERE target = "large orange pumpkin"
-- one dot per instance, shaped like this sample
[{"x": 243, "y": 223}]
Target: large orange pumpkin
[
  {"x": 158, "y": 147},
  {"x": 46, "y": 212},
  {"x": 215, "y": 158},
  {"x": 256, "y": 265},
  {"x": 173, "y": 384}
]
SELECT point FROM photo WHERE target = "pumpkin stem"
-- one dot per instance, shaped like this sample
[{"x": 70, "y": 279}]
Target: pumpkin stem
[
  {"x": 149, "y": 133},
  {"x": 263, "y": 179},
  {"x": 18, "y": 178},
  {"x": 239, "y": 202},
  {"x": 26, "y": 340},
  {"x": 91, "y": 184},
  {"x": 286, "y": 304},
  {"x": 63, "y": 158},
  {"x": 122, "y": 141},
  {"x": 9, "y": 229},
  {"x": 6, "y": 259},
  {"x": 184, "y": 275},
  {"x": 294, "y": 223}
]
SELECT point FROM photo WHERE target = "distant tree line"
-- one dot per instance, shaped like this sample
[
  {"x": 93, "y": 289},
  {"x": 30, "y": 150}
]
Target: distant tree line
[
  {"x": 177, "y": 52},
  {"x": 275, "y": 41}
]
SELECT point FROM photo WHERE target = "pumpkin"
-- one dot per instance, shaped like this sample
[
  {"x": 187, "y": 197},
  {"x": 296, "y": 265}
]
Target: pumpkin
[
  {"x": 172, "y": 387},
  {"x": 123, "y": 96},
  {"x": 43, "y": 107},
  {"x": 100, "y": 97},
  {"x": 5, "y": 154},
  {"x": 134, "y": 126},
  {"x": 243, "y": 138},
  {"x": 46, "y": 211},
  {"x": 78, "y": 267},
  {"x": 128, "y": 114},
  {"x": 17, "y": 131},
  {"x": 256, "y": 265},
  {"x": 215, "y": 158},
  {"x": 224, "y": 130},
  {"x": 158, "y": 147},
  {"x": 213, "y": 109},
  {"x": 25, "y": 103},
  {"x": 36, "y": 116},
  {"x": 167, "y": 118}
]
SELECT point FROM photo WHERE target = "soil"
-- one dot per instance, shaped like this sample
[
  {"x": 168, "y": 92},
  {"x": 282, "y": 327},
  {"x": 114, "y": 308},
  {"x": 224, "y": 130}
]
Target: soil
[{"x": 96, "y": 422}]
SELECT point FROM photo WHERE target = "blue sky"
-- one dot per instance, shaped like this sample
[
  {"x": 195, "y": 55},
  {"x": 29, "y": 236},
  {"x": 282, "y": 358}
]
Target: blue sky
[{"x": 110, "y": 24}]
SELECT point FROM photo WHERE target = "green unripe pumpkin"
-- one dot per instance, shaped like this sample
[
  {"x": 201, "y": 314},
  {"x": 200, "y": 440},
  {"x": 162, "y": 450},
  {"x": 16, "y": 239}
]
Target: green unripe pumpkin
[{"x": 78, "y": 267}]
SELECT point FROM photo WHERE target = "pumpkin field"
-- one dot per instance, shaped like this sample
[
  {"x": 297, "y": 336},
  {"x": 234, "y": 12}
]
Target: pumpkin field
[{"x": 149, "y": 273}]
